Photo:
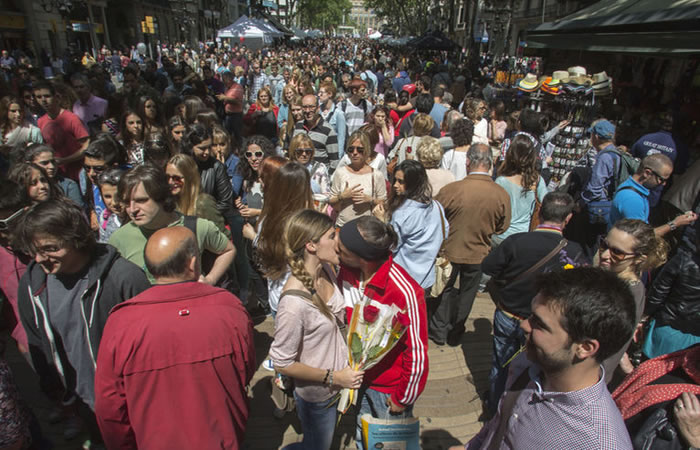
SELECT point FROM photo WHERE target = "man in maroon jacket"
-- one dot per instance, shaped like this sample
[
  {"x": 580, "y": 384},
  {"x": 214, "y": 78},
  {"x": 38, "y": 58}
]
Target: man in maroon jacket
[{"x": 175, "y": 361}]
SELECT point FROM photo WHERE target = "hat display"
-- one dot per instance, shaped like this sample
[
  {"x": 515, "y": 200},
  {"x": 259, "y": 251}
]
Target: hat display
[
  {"x": 529, "y": 84},
  {"x": 604, "y": 129},
  {"x": 548, "y": 88},
  {"x": 581, "y": 80},
  {"x": 577, "y": 70},
  {"x": 559, "y": 77},
  {"x": 602, "y": 84}
]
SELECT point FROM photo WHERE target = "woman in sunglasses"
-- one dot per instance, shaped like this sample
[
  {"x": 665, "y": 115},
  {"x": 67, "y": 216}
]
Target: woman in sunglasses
[
  {"x": 256, "y": 149},
  {"x": 356, "y": 188},
  {"x": 185, "y": 186},
  {"x": 302, "y": 150},
  {"x": 630, "y": 248}
]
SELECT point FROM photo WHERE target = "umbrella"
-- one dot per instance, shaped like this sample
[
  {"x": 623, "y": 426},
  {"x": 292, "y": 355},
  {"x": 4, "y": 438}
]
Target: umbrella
[
  {"x": 245, "y": 28},
  {"x": 434, "y": 40}
]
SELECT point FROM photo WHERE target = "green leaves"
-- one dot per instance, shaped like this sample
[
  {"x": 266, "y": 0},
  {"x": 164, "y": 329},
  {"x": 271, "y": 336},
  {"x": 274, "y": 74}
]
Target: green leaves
[
  {"x": 322, "y": 14},
  {"x": 356, "y": 347},
  {"x": 405, "y": 17}
]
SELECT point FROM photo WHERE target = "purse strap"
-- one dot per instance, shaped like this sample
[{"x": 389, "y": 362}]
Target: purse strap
[{"x": 539, "y": 263}]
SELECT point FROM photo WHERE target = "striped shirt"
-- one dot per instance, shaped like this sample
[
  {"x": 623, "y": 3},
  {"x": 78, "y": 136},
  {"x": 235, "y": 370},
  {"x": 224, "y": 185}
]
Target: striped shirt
[
  {"x": 403, "y": 372},
  {"x": 583, "y": 419},
  {"x": 325, "y": 142},
  {"x": 355, "y": 115}
]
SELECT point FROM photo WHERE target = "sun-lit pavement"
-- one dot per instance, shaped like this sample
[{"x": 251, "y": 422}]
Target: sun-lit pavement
[{"x": 449, "y": 408}]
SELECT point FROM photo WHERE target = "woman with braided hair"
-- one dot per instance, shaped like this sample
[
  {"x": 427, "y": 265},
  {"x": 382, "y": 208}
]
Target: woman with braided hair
[{"x": 308, "y": 344}]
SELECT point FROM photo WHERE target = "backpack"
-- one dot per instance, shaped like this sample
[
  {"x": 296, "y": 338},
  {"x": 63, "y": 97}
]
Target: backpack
[
  {"x": 344, "y": 105},
  {"x": 625, "y": 168}
]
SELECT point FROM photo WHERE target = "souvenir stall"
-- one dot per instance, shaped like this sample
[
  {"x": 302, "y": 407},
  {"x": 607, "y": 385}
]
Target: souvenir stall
[{"x": 567, "y": 95}]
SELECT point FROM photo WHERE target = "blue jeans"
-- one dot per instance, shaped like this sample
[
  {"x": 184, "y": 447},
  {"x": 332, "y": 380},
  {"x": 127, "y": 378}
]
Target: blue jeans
[
  {"x": 374, "y": 402},
  {"x": 507, "y": 339},
  {"x": 317, "y": 423}
]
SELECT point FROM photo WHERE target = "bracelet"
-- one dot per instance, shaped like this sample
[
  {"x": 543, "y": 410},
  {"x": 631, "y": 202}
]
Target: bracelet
[
  {"x": 672, "y": 224},
  {"x": 328, "y": 371},
  {"x": 330, "y": 381}
]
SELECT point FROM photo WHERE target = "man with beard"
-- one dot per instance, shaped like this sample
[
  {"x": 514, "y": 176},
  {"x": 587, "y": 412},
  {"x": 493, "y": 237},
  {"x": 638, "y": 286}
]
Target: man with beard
[{"x": 560, "y": 400}]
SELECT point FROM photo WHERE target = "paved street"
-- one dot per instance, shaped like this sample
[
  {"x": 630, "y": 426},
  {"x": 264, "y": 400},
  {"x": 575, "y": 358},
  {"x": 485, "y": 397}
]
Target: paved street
[{"x": 449, "y": 408}]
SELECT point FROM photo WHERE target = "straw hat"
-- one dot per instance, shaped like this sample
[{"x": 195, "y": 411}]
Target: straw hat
[
  {"x": 529, "y": 84},
  {"x": 601, "y": 81},
  {"x": 559, "y": 77},
  {"x": 577, "y": 70}
]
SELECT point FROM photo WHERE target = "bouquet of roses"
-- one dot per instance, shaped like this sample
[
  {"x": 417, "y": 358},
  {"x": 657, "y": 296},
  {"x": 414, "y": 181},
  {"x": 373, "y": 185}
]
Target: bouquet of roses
[{"x": 374, "y": 330}]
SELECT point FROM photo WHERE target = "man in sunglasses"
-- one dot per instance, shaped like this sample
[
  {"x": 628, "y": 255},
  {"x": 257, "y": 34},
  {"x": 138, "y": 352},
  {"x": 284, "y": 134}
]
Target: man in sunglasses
[
  {"x": 64, "y": 299},
  {"x": 631, "y": 199},
  {"x": 320, "y": 132}
]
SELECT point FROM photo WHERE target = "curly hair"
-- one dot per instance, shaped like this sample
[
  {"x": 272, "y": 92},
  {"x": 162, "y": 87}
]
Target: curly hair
[
  {"x": 429, "y": 152},
  {"x": 244, "y": 168},
  {"x": 22, "y": 174},
  {"x": 462, "y": 132}
]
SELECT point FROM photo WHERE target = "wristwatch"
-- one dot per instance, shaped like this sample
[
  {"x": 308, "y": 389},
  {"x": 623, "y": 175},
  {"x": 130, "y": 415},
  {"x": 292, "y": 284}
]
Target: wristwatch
[{"x": 672, "y": 225}]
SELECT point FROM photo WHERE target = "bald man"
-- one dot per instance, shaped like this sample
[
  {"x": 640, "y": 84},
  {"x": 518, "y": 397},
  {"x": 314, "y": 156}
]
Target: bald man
[
  {"x": 631, "y": 199},
  {"x": 175, "y": 361},
  {"x": 321, "y": 133}
]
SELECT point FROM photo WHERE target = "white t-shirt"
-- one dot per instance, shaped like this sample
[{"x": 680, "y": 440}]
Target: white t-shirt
[{"x": 455, "y": 162}]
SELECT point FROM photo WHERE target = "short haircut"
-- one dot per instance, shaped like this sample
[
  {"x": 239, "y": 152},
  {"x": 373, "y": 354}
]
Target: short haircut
[
  {"x": 363, "y": 137},
  {"x": 357, "y": 84},
  {"x": 532, "y": 122},
  {"x": 462, "y": 132},
  {"x": 437, "y": 91},
  {"x": 106, "y": 147},
  {"x": 110, "y": 176},
  {"x": 424, "y": 103},
  {"x": 594, "y": 304},
  {"x": 195, "y": 134},
  {"x": 556, "y": 206},
  {"x": 176, "y": 263},
  {"x": 479, "y": 155},
  {"x": 423, "y": 124},
  {"x": 656, "y": 162},
  {"x": 154, "y": 182},
  {"x": 429, "y": 152},
  {"x": 329, "y": 87},
  {"x": 44, "y": 85},
  {"x": 59, "y": 218},
  {"x": 377, "y": 233},
  {"x": 451, "y": 117}
]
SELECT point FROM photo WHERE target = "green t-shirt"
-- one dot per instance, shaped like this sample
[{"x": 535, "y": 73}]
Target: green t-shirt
[{"x": 130, "y": 240}]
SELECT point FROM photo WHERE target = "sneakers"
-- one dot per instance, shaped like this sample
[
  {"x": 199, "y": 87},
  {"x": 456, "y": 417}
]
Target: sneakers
[{"x": 267, "y": 365}]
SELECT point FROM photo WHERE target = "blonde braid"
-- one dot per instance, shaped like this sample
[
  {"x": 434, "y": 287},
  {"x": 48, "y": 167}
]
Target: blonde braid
[{"x": 298, "y": 270}]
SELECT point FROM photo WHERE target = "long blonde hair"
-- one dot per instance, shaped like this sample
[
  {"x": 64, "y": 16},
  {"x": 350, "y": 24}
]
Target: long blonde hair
[
  {"x": 186, "y": 202},
  {"x": 302, "y": 227}
]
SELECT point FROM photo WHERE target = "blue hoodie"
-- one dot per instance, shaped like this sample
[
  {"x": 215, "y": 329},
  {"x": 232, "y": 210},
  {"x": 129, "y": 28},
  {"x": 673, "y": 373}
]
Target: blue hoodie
[
  {"x": 420, "y": 230},
  {"x": 399, "y": 82}
]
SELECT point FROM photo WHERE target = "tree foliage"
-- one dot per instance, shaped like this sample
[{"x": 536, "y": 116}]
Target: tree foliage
[
  {"x": 322, "y": 14},
  {"x": 405, "y": 17}
]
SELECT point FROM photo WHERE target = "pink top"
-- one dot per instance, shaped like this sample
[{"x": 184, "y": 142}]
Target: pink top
[
  {"x": 383, "y": 147},
  {"x": 303, "y": 334}
]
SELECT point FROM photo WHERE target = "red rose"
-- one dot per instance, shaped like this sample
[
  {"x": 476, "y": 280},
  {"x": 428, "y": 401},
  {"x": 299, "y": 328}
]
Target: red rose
[
  {"x": 400, "y": 321},
  {"x": 370, "y": 313}
]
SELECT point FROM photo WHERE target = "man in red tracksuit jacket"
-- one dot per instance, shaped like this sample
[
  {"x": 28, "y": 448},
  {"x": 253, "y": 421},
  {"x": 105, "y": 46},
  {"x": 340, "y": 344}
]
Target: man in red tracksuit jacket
[
  {"x": 367, "y": 269},
  {"x": 175, "y": 361}
]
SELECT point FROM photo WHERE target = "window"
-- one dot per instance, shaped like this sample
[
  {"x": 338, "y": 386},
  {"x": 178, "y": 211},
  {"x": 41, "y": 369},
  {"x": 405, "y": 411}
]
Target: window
[{"x": 461, "y": 19}]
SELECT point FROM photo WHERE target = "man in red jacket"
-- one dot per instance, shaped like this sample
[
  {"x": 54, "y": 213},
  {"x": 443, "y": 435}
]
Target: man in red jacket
[
  {"x": 175, "y": 361},
  {"x": 367, "y": 269}
]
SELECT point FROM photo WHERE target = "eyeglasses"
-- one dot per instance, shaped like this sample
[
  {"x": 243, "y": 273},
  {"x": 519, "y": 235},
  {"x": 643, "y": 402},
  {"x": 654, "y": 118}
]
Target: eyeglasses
[
  {"x": 5, "y": 223},
  {"x": 356, "y": 149},
  {"x": 308, "y": 107},
  {"x": 176, "y": 178},
  {"x": 97, "y": 169},
  {"x": 251, "y": 154},
  {"x": 306, "y": 151},
  {"x": 616, "y": 254},
  {"x": 662, "y": 180}
]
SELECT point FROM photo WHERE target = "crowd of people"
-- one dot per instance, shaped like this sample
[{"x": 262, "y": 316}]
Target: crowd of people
[{"x": 151, "y": 207}]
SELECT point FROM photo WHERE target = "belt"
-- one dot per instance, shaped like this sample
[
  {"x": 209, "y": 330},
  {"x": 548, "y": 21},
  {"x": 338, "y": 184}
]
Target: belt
[{"x": 510, "y": 314}]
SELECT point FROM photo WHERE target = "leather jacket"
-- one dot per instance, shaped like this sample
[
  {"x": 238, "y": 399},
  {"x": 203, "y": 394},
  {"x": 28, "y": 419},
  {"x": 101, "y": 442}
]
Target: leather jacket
[
  {"x": 674, "y": 298},
  {"x": 215, "y": 182}
]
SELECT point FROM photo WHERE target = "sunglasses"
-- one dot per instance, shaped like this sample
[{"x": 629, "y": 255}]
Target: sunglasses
[
  {"x": 356, "y": 149},
  {"x": 251, "y": 154},
  {"x": 662, "y": 180},
  {"x": 306, "y": 151},
  {"x": 176, "y": 178},
  {"x": 616, "y": 254},
  {"x": 5, "y": 223}
]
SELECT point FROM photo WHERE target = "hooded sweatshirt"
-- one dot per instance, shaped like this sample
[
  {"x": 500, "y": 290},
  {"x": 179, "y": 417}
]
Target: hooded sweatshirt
[{"x": 110, "y": 280}]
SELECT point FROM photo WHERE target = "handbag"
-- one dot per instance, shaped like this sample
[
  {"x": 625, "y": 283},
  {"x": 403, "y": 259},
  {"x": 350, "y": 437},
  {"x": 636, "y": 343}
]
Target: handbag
[
  {"x": 494, "y": 287},
  {"x": 443, "y": 267}
]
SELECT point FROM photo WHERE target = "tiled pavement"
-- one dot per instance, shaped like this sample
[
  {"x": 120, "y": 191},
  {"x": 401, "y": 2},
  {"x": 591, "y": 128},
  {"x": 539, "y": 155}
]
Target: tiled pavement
[{"x": 449, "y": 408}]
